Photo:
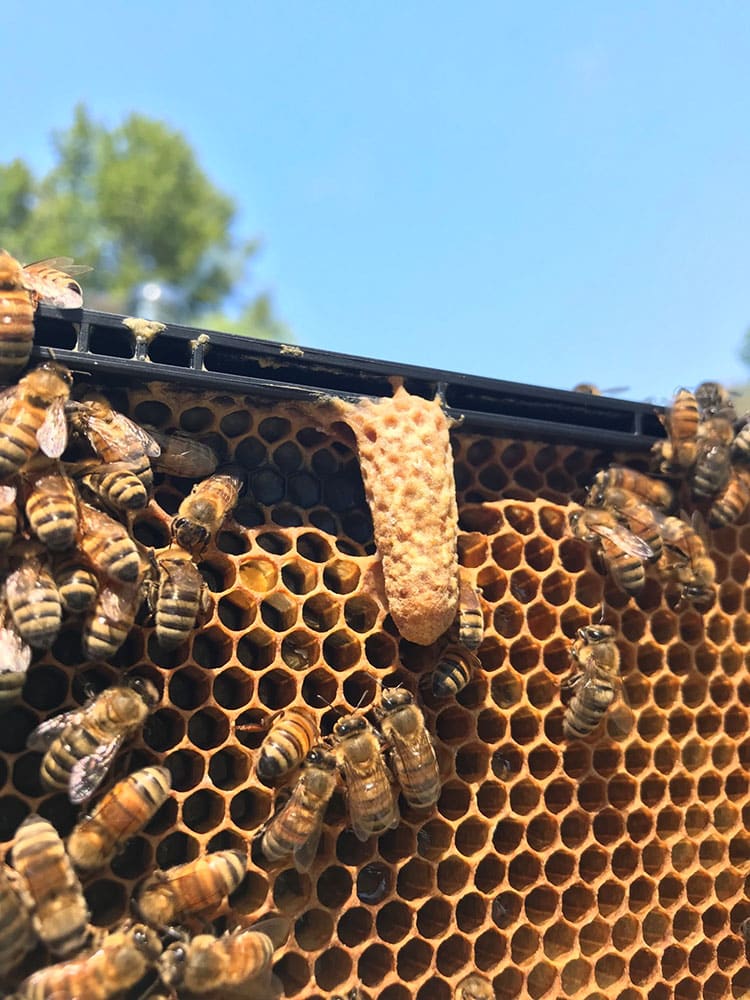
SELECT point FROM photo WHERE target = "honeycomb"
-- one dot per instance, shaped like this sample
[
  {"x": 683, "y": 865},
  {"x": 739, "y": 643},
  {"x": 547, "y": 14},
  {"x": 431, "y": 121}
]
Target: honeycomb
[{"x": 607, "y": 870}]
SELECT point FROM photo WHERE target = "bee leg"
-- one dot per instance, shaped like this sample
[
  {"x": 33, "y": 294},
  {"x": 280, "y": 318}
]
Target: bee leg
[
  {"x": 569, "y": 686},
  {"x": 205, "y": 606}
]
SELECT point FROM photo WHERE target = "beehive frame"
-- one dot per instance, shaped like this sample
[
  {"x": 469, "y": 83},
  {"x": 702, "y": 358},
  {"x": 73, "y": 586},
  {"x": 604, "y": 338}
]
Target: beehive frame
[{"x": 613, "y": 868}]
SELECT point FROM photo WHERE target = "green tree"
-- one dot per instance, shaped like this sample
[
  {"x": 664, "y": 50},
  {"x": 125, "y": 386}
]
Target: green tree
[{"x": 135, "y": 204}]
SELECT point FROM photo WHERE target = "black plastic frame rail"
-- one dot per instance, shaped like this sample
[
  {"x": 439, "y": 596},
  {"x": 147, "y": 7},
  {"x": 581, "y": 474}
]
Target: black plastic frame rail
[{"x": 98, "y": 343}]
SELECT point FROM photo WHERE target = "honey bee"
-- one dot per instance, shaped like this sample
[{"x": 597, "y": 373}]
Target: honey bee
[
  {"x": 238, "y": 959},
  {"x": 413, "y": 759},
  {"x": 653, "y": 491},
  {"x": 179, "y": 597},
  {"x": 711, "y": 471},
  {"x": 744, "y": 928},
  {"x": 32, "y": 598},
  {"x": 293, "y": 732},
  {"x": 123, "y": 478},
  {"x": 108, "y": 546},
  {"x": 51, "y": 505},
  {"x": 373, "y": 808},
  {"x": 124, "y": 810},
  {"x": 641, "y": 518},
  {"x": 15, "y": 657},
  {"x": 76, "y": 583},
  {"x": 470, "y": 617},
  {"x": 199, "y": 886},
  {"x": 202, "y": 513},
  {"x": 592, "y": 689},
  {"x": 8, "y": 515},
  {"x": 678, "y": 452},
  {"x": 16, "y": 318},
  {"x": 453, "y": 671},
  {"x": 621, "y": 551},
  {"x": 474, "y": 987},
  {"x": 296, "y": 828},
  {"x": 730, "y": 504},
  {"x": 32, "y": 417},
  {"x": 111, "y": 618},
  {"x": 49, "y": 886},
  {"x": 686, "y": 560},
  {"x": 51, "y": 281},
  {"x": 122, "y": 958},
  {"x": 715, "y": 401},
  {"x": 16, "y": 932},
  {"x": 80, "y": 745},
  {"x": 183, "y": 456}
]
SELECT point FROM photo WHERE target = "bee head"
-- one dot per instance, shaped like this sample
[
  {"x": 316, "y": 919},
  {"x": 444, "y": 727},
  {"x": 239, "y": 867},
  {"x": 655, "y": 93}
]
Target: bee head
[
  {"x": 596, "y": 633},
  {"x": 349, "y": 725},
  {"x": 321, "y": 758},
  {"x": 393, "y": 698},
  {"x": 146, "y": 940},
  {"x": 172, "y": 963},
  {"x": 145, "y": 688}
]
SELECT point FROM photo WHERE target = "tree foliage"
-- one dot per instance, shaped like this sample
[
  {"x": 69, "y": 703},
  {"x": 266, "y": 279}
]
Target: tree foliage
[{"x": 135, "y": 204}]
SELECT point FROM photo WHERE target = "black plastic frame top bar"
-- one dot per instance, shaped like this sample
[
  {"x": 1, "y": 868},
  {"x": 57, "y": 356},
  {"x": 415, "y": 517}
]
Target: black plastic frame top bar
[{"x": 98, "y": 343}]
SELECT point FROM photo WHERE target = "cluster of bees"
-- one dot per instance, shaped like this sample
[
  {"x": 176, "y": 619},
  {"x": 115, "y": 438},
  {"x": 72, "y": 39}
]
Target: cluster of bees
[
  {"x": 65, "y": 525},
  {"x": 629, "y": 520},
  {"x": 41, "y": 899},
  {"x": 357, "y": 749}
]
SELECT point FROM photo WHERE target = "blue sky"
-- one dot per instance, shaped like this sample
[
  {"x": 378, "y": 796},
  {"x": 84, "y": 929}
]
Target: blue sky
[{"x": 538, "y": 192}]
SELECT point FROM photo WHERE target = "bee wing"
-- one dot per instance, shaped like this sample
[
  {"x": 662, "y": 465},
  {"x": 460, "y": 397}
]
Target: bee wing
[
  {"x": 194, "y": 459},
  {"x": 51, "y": 287},
  {"x": 698, "y": 524},
  {"x": 52, "y": 436},
  {"x": 89, "y": 772},
  {"x": 625, "y": 540},
  {"x": 150, "y": 445},
  {"x": 15, "y": 655},
  {"x": 304, "y": 855},
  {"x": 184, "y": 573},
  {"x": 357, "y": 792},
  {"x": 21, "y": 580},
  {"x": 6, "y": 398},
  {"x": 620, "y": 718},
  {"x": 119, "y": 428},
  {"x": 44, "y": 734}
]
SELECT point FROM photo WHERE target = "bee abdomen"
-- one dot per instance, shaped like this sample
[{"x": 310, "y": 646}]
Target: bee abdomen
[
  {"x": 16, "y": 331},
  {"x": 587, "y": 709},
  {"x": 16, "y": 933},
  {"x": 60, "y": 911},
  {"x": 76, "y": 585},
  {"x": 450, "y": 676},
  {"x": 8, "y": 525},
  {"x": 121, "y": 813},
  {"x": 103, "y": 637},
  {"x": 38, "y": 616},
  {"x": 122, "y": 489},
  {"x": 64, "y": 754},
  {"x": 54, "y": 523},
  {"x": 631, "y": 576},
  {"x": 284, "y": 749},
  {"x": 175, "y": 618},
  {"x": 17, "y": 445},
  {"x": 11, "y": 685},
  {"x": 118, "y": 557}
]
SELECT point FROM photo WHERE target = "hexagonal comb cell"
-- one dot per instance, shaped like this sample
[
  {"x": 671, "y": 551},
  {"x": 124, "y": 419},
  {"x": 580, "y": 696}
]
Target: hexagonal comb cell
[{"x": 607, "y": 867}]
